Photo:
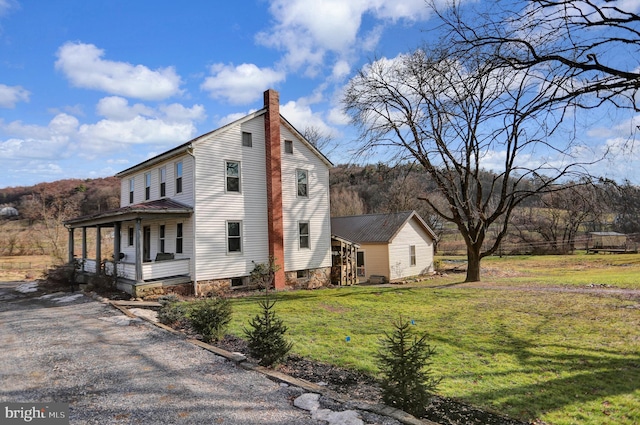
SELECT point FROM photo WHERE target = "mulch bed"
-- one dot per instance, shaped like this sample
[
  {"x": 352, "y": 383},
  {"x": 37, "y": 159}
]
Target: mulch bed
[{"x": 358, "y": 385}]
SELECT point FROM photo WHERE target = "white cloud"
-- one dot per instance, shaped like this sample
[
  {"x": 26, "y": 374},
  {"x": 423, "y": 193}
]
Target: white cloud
[
  {"x": 117, "y": 109},
  {"x": 307, "y": 29},
  {"x": 301, "y": 116},
  {"x": 10, "y": 95},
  {"x": 240, "y": 84},
  {"x": 341, "y": 69},
  {"x": 51, "y": 141},
  {"x": 7, "y": 5},
  {"x": 232, "y": 117},
  {"x": 123, "y": 125},
  {"x": 337, "y": 116},
  {"x": 83, "y": 65},
  {"x": 136, "y": 124}
]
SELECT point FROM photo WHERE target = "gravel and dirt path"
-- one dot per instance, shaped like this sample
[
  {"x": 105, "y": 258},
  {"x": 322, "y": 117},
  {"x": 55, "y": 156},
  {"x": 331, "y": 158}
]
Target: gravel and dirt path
[{"x": 112, "y": 369}]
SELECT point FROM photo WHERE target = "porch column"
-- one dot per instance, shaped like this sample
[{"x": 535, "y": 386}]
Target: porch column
[
  {"x": 70, "y": 245},
  {"x": 84, "y": 246},
  {"x": 98, "y": 249},
  {"x": 138, "y": 242},
  {"x": 116, "y": 241}
]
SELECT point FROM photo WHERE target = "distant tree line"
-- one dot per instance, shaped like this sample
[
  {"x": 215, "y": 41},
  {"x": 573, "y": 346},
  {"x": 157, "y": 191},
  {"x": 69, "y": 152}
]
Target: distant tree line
[
  {"x": 44, "y": 207},
  {"x": 554, "y": 222}
]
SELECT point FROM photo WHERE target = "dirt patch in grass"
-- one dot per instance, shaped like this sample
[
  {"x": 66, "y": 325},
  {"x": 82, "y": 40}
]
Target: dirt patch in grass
[{"x": 333, "y": 309}]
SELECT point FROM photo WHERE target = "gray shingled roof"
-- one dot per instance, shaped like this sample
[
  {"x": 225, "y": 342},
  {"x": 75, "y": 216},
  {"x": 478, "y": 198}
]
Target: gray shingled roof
[
  {"x": 373, "y": 228},
  {"x": 159, "y": 206}
]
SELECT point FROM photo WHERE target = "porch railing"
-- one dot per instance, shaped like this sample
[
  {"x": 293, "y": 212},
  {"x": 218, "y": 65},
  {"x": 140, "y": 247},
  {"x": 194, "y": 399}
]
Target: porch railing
[{"x": 150, "y": 270}]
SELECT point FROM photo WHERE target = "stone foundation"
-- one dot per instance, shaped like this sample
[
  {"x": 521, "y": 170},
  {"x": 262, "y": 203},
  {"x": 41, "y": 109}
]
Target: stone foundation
[
  {"x": 316, "y": 278},
  {"x": 155, "y": 291},
  {"x": 213, "y": 286}
]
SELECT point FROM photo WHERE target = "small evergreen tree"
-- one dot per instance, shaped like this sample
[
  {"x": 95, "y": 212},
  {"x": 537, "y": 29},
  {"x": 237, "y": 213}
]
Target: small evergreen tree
[
  {"x": 266, "y": 335},
  {"x": 210, "y": 318},
  {"x": 172, "y": 311},
  {"x": 407, "y": 382}
]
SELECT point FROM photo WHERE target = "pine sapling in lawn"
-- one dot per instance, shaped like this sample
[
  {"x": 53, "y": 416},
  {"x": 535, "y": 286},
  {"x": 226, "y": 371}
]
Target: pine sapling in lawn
[
  {"x": 408, "y": 382},
  {"x": 210, "y": 318},
  {"x": 172, "y": 310},
  {"x": 266, "y": 335}
]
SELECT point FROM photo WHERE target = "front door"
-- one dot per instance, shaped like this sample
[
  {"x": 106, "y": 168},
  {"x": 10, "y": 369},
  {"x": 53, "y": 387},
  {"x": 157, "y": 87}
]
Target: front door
[{"x": 146, "y": 243}]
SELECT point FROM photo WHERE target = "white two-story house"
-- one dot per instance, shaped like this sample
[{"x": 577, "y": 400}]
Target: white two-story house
[{"x": 202, "y": 215}]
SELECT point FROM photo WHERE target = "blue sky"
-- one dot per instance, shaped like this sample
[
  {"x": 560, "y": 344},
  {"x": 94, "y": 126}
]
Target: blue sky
[{"x": 89, "y": 88}]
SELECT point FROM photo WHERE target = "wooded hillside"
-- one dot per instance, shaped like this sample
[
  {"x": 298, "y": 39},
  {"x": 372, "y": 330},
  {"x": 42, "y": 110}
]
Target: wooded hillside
[{"x": 551, "y": 223}]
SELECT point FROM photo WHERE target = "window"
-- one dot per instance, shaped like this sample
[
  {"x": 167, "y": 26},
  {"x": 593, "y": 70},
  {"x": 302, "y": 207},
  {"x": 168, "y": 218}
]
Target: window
[
  {"x": 288, "y": 146},
  {"x": 147, "y": 186},
  {"x": 303, "y": 232},
  {"x": 236, "y": 281},
  {"x": 163, "y": 182},
  {"x": 247, "y": 139},
  {"x": 161, "y": 237},
  {"x": 302, "y": 274},
  {"x": 179, "y": 177},
  {"x": 412, "y": 255},
  {"x": 360, "y": 263},
  {"x": 130, "y": 236},
  {"x": 179, "y": 238},
  {"x": 302, "y": 179},
  {"x": 234, "y": 236},
  {"x": 132, "y": 185},
  {"x": 233, "y": 176}
]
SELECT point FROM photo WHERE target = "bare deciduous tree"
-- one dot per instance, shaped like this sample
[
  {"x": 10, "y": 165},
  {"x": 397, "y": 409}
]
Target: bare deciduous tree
[
  {"x": 457, "y": 114},
  {"x": 584, "y": 47}
]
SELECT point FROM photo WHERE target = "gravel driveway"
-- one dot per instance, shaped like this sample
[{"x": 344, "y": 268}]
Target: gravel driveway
[{"x": 115, "y": 370}]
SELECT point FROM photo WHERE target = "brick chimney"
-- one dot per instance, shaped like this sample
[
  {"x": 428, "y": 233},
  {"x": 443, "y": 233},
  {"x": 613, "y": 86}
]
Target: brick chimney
[{"x": 274, "y": 183}]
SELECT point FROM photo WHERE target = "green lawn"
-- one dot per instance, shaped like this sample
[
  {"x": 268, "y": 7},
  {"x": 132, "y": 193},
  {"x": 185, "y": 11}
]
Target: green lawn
[
  {"x": 619, "y": 270},
  {"x": 563, "y": 358}
]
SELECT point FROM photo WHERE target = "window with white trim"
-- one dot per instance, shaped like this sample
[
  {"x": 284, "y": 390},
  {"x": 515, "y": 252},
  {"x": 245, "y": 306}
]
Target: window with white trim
[
  {"x": 232, "y": 173},
  {"x": 247, "y": 139},
  {"x": 412, "y": 255},
  {"x": 302, "y": 181},
  {"x": 179, "y": 177},
  {"x": 132, "y": 186},
  {"x": 163, "y": 181},
  {"x": 303, "y": 233},
  {"x": 234, "y": 236},
  {"x": 130, "y": 239},
  {"x": 179, "y": 238},
  {"x": 161, "y": 239},
  {"x": 147, "y": 186},
  {"x": 288, "y": 146}
]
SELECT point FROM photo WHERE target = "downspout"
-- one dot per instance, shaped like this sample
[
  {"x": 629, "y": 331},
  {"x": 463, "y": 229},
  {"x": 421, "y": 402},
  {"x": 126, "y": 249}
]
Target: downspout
[{"x": 193, "y": 222}]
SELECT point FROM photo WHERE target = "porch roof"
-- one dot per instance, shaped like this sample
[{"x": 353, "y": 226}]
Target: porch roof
[{"x": 151, "y": 209}]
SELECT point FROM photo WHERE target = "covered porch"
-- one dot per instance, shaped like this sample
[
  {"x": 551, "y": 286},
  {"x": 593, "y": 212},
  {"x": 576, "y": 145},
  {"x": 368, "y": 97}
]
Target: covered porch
[{"x": 136, "y": 272}]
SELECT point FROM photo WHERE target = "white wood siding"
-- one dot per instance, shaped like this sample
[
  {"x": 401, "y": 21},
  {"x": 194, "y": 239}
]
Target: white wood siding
[
  {"x": 186, "y": 196},
  {"x": 214, "y": 206},
  {"x": 313, "y": 209},
  {"x": 399, "y": 252}
]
